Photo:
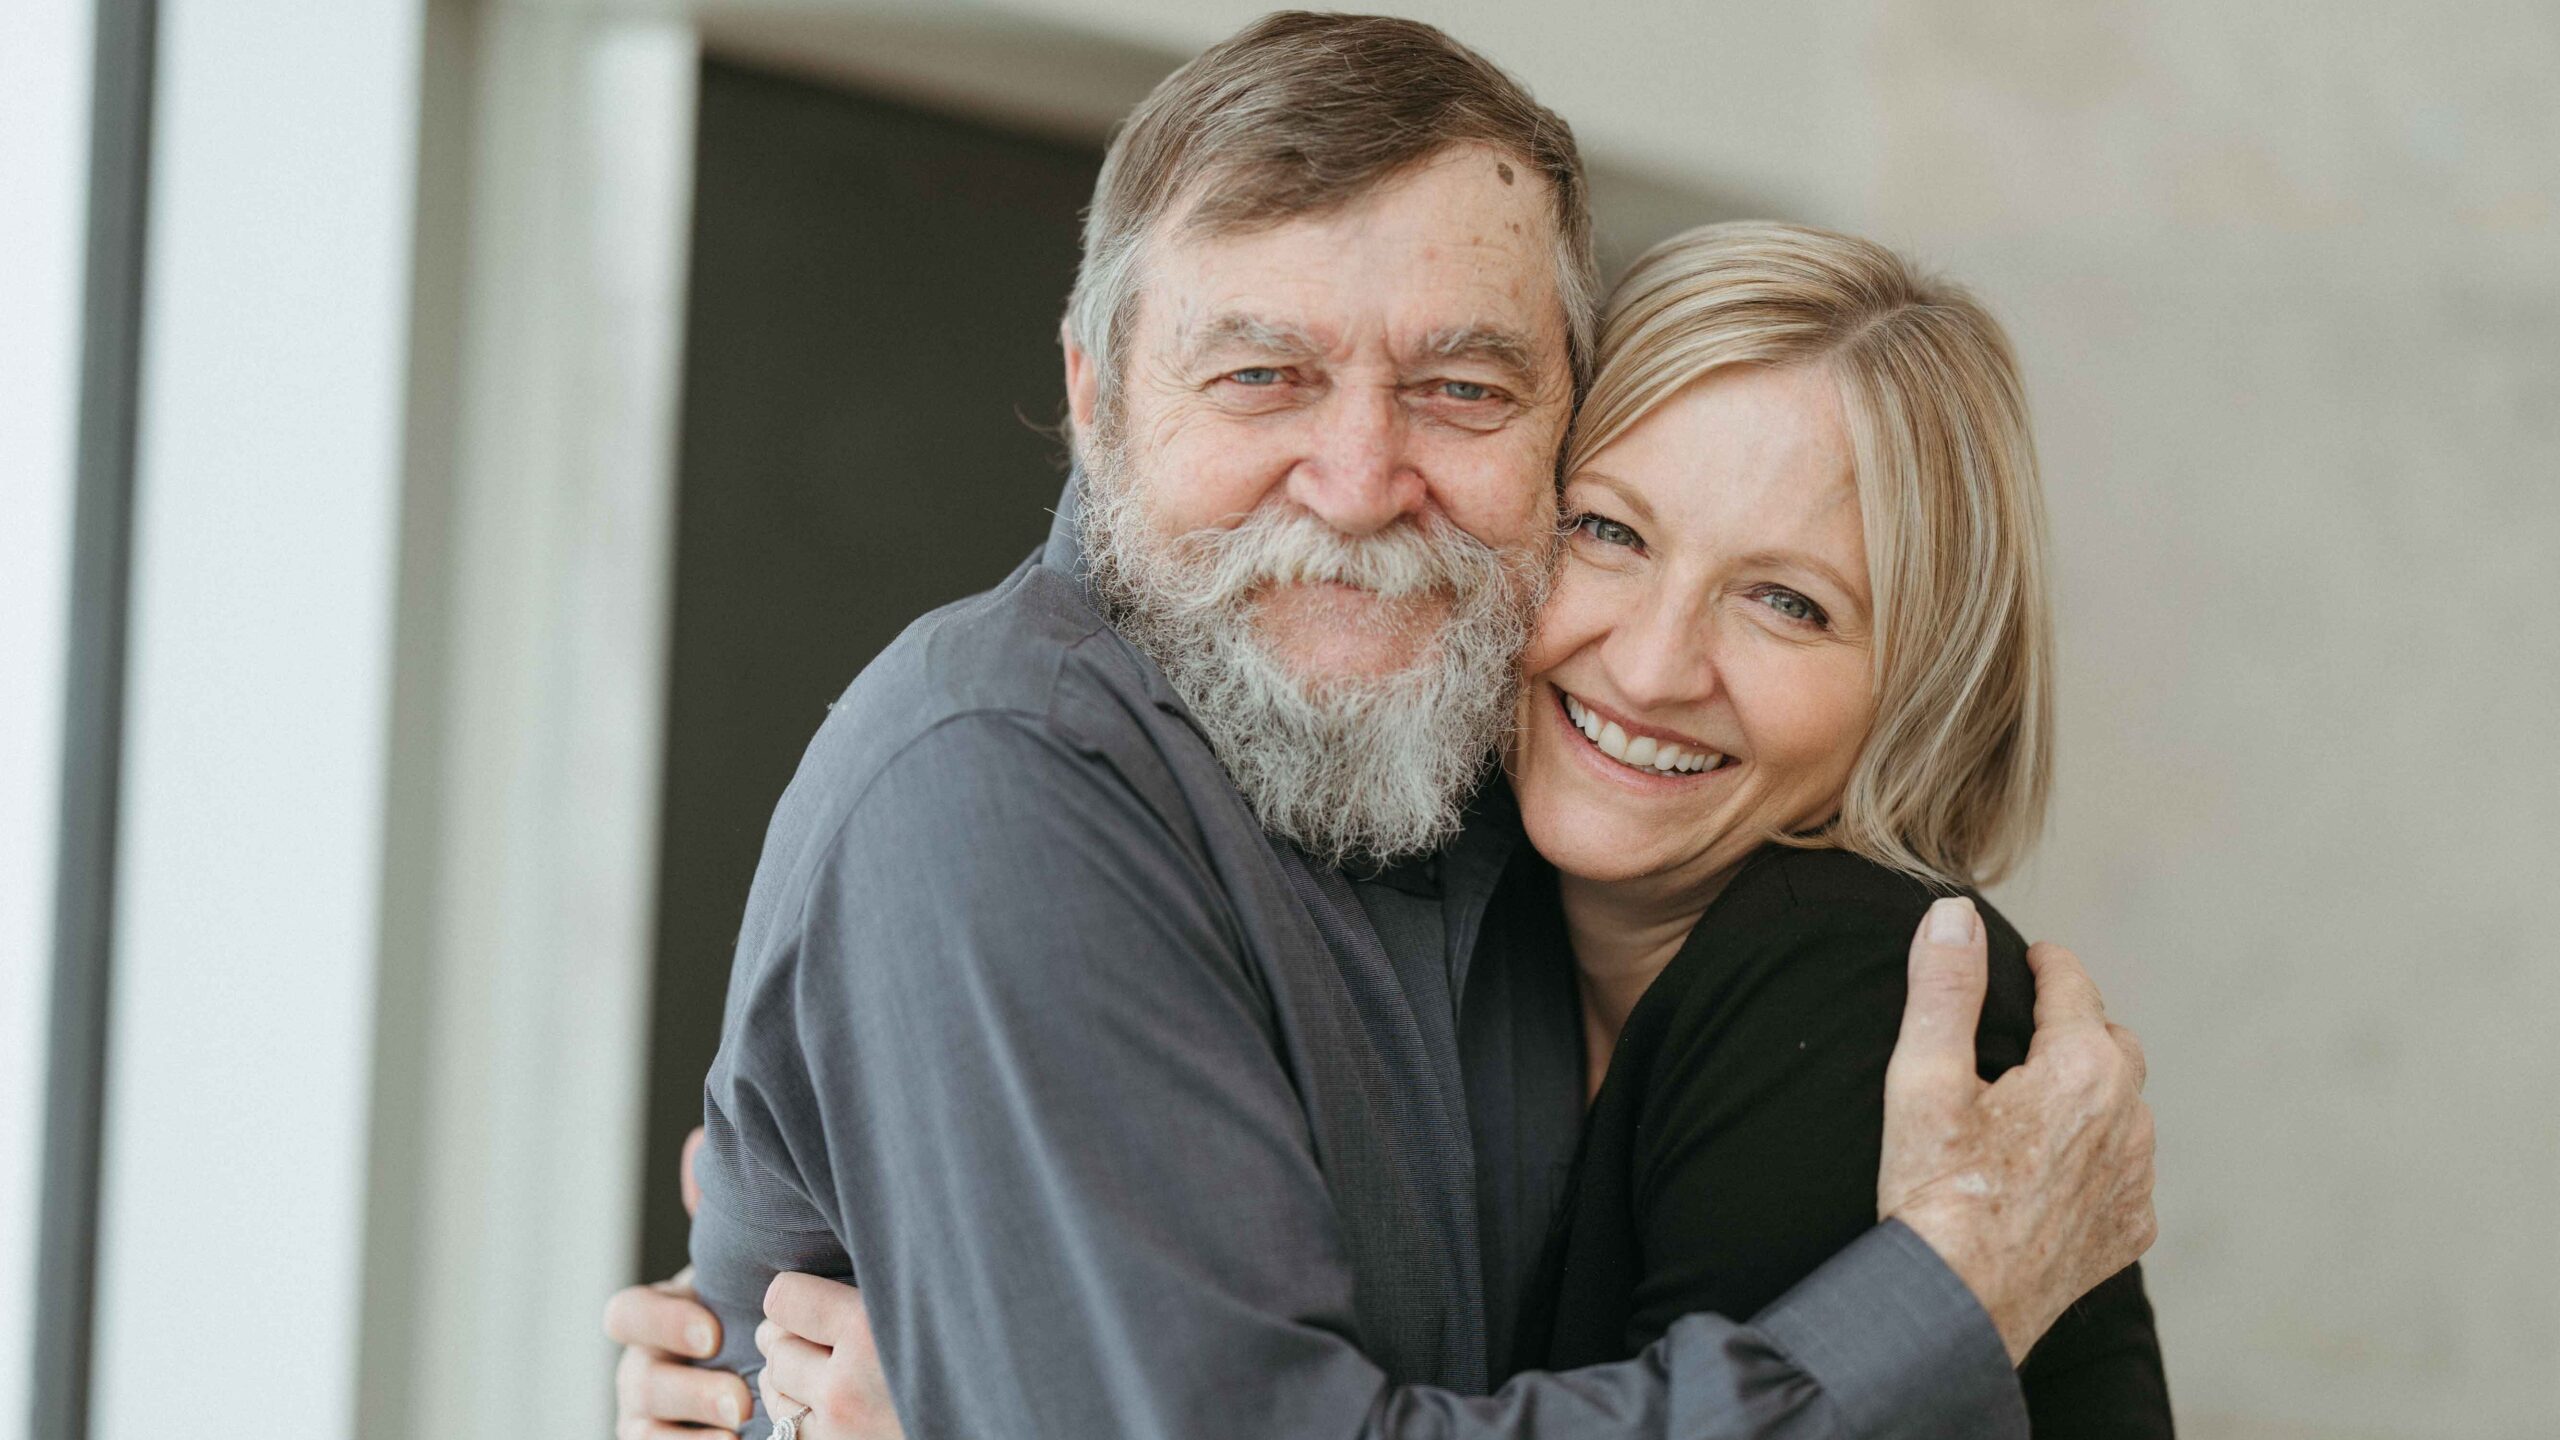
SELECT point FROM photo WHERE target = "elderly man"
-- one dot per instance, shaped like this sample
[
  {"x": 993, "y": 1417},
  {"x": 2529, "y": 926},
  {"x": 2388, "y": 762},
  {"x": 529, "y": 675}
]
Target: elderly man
[{"x": 1104, "y": 1002}]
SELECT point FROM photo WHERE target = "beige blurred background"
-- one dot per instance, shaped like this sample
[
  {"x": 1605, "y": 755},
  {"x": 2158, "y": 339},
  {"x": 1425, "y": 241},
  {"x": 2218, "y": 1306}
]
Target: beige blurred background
[{"x": 411, "y": 582}]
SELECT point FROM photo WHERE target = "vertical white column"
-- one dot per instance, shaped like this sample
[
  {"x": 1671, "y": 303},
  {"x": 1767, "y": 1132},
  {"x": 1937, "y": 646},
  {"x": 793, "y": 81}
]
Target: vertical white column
[
  {"x": 44, "y": 131},
  {"x": 415, "y": 292},
  {"x": 527, "y": 744},
  {"x": 265, "y": 566}
]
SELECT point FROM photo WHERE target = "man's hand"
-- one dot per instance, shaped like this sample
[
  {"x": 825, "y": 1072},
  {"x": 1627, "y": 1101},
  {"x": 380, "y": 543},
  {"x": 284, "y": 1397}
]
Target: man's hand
[
  {"x": 2038, "y": 1187},
  {"x": 816, "y": 1341},
  {"x": 657, "y": 1396}
]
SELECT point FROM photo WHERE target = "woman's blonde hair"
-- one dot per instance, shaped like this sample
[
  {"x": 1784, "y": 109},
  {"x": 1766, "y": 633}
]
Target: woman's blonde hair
[{"x": 1955, "y": 773}]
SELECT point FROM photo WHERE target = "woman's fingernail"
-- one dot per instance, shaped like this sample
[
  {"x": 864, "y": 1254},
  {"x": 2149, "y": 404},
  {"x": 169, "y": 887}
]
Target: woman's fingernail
[
  {"x": 1951, "y": 921},
  {"x": 729, "y": 1412},
  {"x": 698, "y": 1335}
]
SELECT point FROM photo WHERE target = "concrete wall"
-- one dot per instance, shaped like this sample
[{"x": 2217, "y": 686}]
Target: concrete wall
[{"x": 2285, "y": 281}]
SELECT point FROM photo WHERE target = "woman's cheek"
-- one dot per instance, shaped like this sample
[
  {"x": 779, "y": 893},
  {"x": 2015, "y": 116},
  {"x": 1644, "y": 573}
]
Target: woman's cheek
[
  {"x": 1575, "y": 616},
  {"x": 1552, "y": 620},
  {"x": 1828, "y": 726}
]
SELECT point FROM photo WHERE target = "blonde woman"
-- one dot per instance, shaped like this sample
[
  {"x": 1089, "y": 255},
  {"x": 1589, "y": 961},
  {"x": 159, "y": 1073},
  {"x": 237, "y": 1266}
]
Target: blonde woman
[{"x": 1791, "y": 688}]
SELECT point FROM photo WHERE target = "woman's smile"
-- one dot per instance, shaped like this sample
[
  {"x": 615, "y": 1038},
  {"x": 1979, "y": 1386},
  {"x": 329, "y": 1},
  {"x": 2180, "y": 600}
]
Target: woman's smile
[{"x": 1628, "y": 753}]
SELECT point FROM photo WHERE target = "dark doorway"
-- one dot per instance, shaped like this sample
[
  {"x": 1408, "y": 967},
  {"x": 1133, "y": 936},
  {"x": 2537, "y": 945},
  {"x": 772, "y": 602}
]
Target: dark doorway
[{"x": 870, "y": 357}]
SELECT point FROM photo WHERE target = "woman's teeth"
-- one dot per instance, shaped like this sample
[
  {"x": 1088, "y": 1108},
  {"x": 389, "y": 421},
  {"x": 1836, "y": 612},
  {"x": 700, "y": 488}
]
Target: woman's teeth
[{"x": 1642, "y": 753}]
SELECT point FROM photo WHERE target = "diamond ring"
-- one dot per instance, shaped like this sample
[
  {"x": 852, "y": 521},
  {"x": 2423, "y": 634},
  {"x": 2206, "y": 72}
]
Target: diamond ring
[{"x": 788, "y": 1427}]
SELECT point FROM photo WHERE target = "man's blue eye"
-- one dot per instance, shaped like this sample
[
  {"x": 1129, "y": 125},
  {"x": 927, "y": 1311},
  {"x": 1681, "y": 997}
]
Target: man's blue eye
[
  {"x": 1607, "y": 531},
  {"x": 1467, "y": 390},
  {"x": 1257, "y": 375}
]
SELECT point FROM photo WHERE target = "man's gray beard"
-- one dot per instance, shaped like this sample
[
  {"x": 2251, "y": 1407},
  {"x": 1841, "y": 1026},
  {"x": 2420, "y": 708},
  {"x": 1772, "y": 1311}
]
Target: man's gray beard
[{"x": 1351, "y": 769}]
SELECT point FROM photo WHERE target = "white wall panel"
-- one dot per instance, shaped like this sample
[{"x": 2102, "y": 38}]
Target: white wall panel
[
  {"x": 44, "y": 133},
  {"x": 268, "y": 481}
]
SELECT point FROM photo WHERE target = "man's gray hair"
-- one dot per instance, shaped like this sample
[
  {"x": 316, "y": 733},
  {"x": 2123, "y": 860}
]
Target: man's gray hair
[{"x": 1297, "y": 114}]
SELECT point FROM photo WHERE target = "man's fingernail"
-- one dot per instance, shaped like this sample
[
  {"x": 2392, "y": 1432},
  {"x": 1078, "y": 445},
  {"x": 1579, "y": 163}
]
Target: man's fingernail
[
  {"x": 730, "y": 1415},
  {"x": 698, "y": 1335},
  {"x": 1951, "y": 921}
]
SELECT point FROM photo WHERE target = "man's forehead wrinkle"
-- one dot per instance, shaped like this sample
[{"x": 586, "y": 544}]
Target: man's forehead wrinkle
[
  {"x": 1495, "y": 343},
  {"x": 1234, "y": 199}
]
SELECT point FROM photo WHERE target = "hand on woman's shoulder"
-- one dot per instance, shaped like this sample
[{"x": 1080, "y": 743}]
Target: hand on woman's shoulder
[{"x": 1750, "y": 1100}]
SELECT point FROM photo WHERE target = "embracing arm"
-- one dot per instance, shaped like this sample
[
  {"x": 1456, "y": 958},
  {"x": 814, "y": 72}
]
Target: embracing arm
[
  {"x": 1060, "y": 1137},
  {"x": 1764, "y": 1125},
  {"x": 2033, "y": 1190}
]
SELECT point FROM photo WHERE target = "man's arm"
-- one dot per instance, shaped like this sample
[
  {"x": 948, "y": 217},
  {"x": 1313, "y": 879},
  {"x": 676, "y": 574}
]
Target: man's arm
[
  {"x": 1059, "y": 1135},
  {"x": 821, "y": 1351},
  {"x": 2036, "y": 1187}
]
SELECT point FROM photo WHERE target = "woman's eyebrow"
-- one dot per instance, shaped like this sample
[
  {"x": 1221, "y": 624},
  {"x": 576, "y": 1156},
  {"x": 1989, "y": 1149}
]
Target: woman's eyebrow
[
  {"x": 1635, "y": 501},
  {"x": 1810, "y": 564}
]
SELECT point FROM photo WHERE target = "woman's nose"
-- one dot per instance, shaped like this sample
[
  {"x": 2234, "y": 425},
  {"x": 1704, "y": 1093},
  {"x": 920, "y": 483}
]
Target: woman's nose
[
  {"x": 1663, "y": 654},
  {"x": 1358, "y": 475}
]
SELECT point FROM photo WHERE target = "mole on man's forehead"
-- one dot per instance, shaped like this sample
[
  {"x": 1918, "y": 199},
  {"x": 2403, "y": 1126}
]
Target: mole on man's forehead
[{"x": 1503, "y": 169}]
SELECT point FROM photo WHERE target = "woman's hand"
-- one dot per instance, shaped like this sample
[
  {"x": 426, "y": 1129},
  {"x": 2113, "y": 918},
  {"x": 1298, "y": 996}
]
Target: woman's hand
[
  {"x": 657, "y": 1394},
  {"x": 816, "y": 1340}
]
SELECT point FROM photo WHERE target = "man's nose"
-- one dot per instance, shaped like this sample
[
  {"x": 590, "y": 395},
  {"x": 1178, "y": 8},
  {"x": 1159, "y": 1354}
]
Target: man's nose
[{"x": 1358, "y": 475}]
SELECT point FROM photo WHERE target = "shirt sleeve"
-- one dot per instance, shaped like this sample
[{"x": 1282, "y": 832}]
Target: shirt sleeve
[{"x": 1040, "y": 1099}]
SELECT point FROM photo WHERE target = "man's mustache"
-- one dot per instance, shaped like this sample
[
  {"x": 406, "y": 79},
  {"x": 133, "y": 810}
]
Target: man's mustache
[{"x": 1282, "y": 544}]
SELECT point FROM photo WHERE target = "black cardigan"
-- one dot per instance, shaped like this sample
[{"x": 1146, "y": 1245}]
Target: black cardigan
[{"x": 1733, "y": 1146}]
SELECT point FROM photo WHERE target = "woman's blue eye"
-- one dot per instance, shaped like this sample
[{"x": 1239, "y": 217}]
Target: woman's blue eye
[
  {"x": 1607, "y": 531},
  {"x": 1256, "y": 375},
  {"x": 1467, "y": 390},
  {"x": 1793, "y": 606}
]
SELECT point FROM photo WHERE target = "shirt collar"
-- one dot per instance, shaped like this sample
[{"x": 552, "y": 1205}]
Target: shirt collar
[
  {"x": 1468, "y": 867},
  {"x": 1471, "y": 869},
  {"x": 1065, "y": 550}
]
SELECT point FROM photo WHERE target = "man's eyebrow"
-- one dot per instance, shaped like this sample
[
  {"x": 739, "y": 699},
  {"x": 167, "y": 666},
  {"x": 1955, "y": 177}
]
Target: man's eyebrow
[
  {"x": 1515, "y": 354},
  {"x": 1240, "y": 330}
]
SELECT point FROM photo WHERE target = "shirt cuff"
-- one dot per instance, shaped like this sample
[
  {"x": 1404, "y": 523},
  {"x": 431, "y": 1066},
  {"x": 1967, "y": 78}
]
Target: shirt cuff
[{"x": 1899, "y": 1344}]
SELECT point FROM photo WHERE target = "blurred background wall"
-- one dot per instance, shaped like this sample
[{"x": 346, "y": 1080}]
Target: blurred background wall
[{"x": 673, "y": 399}]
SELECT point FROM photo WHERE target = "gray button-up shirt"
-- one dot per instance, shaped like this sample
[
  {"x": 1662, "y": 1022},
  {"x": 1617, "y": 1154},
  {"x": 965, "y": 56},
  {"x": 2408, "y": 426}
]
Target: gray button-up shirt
[{"x": 1132, "y": 1122}]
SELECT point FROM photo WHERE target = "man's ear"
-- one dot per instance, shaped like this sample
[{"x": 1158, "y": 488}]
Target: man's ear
[{"x": 1084, "y": 383}]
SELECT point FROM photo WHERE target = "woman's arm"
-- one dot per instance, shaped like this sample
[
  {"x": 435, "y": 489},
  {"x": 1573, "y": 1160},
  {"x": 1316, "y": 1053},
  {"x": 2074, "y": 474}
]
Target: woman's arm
[{"x": 1762, "y": 1125}]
